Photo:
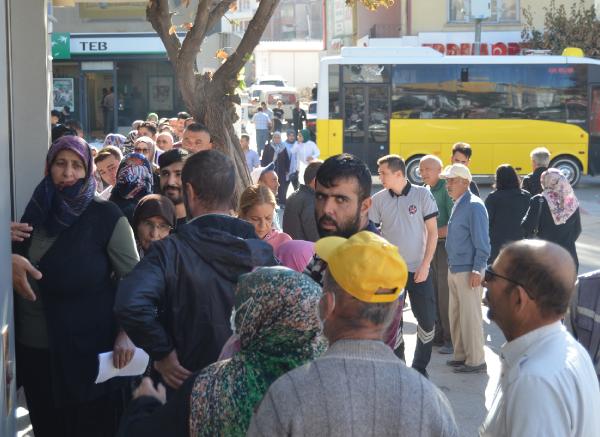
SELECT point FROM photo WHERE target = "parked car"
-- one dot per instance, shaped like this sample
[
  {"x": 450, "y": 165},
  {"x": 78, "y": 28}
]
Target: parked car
[
  {"x": 270, "y": 80},
  {"x": 311, "y": 119}
]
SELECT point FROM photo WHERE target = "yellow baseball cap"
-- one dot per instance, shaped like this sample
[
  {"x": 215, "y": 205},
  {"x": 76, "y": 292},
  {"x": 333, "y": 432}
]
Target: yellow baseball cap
[{"x": 364, "y": 264}]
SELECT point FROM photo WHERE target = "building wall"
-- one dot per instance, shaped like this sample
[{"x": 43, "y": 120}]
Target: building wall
[
  {"x": 382, "y": 23},
  {"x": 97, "y": 17},
  {"x": 424, "y": 21}
]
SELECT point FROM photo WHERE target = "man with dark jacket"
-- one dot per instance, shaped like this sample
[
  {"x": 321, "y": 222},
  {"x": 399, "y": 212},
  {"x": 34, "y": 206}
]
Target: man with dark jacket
[
  {"x": 540, "y": 160},
  {"x": 299, "y": 220},
  {"x": 177, "y": 302}
]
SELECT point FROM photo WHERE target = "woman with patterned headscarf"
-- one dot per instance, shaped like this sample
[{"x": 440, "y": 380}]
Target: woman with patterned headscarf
[
  {"x": 554, "y": 215},
  {"x": 116, "y": 140},
  {"x": 275, "y": 318},
  {"x": 134, "y": 181},
  {"x": 80, "y": 244}
]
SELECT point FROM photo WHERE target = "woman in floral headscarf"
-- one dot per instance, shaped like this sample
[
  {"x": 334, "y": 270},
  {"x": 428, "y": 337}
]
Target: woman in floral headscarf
[
  {"x": 134, "y": 181},
  {"x": 80, "y": 244},
  {"x": 275, "y": 317},
  {"x": 553, "y": 215}
]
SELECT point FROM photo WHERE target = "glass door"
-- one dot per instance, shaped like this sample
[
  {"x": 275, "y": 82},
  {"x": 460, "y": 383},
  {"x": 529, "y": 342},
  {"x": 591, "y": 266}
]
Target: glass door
[{"x": 366, "y": 122}]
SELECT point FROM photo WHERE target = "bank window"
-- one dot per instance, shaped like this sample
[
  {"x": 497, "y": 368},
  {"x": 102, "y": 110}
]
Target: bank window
[{"x": 502, "y": 11}]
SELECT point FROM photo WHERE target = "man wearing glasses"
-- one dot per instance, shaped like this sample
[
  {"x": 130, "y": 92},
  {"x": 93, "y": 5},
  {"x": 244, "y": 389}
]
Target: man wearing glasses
[
  {"x": 468, "y": 247},
  {"x": 548, "y": 386}
]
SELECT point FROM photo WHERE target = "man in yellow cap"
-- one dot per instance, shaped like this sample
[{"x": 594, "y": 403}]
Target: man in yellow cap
[{"x": 358, "y": 386}]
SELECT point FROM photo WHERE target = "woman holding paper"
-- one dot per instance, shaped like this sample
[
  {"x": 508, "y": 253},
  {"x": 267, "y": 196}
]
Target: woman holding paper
[
  {"x": 81, "y": 245},
  {"x": 276, "y": 329}
]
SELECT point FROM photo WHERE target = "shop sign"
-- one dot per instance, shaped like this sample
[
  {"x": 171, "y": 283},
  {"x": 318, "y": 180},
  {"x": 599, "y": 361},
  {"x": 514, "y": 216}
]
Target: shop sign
[
  {"x": 60, "y": 45},
  {"x": 114, "y": 45},
  {"x": 466, "y": 49}
]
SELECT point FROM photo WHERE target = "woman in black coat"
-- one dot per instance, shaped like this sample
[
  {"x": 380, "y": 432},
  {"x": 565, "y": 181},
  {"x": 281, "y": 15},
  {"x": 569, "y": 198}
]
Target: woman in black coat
[
  {"x": 82, "y": 245},
  {"x": 506, "y": 207},
  {"x": 554, "y": 215}
]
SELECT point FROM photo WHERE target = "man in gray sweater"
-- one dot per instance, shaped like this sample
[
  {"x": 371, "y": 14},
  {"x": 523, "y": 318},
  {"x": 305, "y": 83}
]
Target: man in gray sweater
[{"x": 358, "y": 387}]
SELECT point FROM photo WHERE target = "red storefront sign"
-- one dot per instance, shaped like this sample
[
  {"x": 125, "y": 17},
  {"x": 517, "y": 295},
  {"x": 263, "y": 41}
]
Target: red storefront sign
[{"x": 466, "y": 49}]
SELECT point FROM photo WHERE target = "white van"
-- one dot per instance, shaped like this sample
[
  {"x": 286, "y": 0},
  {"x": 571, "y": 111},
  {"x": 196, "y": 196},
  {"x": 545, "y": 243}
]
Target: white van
[{"x": 271, "y": 95}]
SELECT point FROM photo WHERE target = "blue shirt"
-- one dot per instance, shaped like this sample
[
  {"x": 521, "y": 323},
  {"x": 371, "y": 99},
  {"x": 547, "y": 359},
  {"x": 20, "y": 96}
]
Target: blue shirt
[
  {"x": 261, "y": 121},
  {"x": 252, "y": 160}
]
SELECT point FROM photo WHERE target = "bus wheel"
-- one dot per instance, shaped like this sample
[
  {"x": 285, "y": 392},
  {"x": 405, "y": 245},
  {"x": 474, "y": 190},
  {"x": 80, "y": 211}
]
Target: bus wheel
[
  {"x": 412, "y": 170},
  {"x": 569, "y": 167}
]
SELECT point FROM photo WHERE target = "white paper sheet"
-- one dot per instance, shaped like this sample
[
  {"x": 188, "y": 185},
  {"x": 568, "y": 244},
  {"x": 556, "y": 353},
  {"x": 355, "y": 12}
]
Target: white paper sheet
[{"x": 136, "y": 366}]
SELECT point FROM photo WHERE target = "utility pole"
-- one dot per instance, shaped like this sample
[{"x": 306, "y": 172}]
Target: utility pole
[{"x": 477, "y": 44}]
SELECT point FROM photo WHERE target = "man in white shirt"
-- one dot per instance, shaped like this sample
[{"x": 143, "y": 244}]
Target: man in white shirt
[
  {"x": 548, "y": 386},
  {"x": 262, "y": 125}
]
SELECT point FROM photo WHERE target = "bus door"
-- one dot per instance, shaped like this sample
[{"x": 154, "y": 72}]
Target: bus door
[
  {"x": 367, "y": 122},
  {"x": 594, "y": 130}
]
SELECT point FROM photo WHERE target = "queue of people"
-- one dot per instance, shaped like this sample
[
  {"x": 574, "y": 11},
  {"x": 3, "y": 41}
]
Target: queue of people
[{"x": 258, "y": 329}]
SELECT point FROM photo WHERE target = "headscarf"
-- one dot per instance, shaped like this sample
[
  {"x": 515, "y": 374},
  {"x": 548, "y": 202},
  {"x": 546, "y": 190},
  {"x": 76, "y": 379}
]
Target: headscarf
[
  {"x": 154, "y": 205},
  {"x": 116, "y": 140},
  {"x": 296, "y": 254},
  {"x": 276, "y": 320},
  {"x": 128, "y": 145},
  {"x": 134, "y": 177},
  {"x": 559, "y": 195},
  {"x": 306, "y": 135},
  {"x": 55, "y": 209},
  {"x": 151, "y": 143}
]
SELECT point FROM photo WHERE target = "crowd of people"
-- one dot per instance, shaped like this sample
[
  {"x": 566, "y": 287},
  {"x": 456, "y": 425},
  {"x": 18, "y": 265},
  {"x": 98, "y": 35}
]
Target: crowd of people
[{"x": 282, "y": 315}]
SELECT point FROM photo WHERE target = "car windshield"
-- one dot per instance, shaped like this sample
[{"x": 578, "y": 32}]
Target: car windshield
[
  {"x": 272, "y": 82},
  {"x": 312, "y": 108}
]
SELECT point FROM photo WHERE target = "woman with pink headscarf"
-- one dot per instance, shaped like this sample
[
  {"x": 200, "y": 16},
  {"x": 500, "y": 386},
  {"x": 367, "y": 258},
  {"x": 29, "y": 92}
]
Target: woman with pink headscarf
[{"x": 553, "y": 215}]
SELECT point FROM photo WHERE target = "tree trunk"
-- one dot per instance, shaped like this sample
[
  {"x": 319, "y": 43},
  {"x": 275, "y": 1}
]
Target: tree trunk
[{"x": 210, "y": 98}]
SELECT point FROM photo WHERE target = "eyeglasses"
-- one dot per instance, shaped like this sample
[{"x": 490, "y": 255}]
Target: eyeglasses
[
  {"x": 162, "y": 227},
  {"x": 490, "y": 274}
]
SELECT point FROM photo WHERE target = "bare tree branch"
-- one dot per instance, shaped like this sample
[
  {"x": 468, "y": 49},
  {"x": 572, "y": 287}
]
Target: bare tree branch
[
  {"x": 251, "y": 38},
  {"x": 157, "y": 13},
  {"x": 192, "y": 41},
  {"x": 217, "y": 11}
]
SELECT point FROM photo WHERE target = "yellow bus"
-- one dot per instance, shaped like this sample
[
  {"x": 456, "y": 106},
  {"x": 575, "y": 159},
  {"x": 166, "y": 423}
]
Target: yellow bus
[{"x": 414, "y": 101}]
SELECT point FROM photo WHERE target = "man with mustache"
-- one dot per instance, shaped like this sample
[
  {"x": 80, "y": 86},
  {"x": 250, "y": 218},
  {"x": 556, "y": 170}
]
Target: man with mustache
[
  {"x": 171, "y": 165},
  {"x": 342, "y": 202}
]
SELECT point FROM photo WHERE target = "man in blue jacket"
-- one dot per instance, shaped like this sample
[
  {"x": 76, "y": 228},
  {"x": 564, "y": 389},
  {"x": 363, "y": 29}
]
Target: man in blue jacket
[{"x": 468, "y": 247}]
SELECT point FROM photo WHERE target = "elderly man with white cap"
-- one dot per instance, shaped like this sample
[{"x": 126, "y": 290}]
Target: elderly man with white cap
[{"x": 468, "y": 247}]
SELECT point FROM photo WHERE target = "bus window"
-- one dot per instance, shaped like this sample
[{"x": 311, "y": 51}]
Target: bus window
[
  {"x": 595, "y": 112},
  {"x": 334, "y": 92},
  {"x": 366, "y": 73},
  {"x": 537, "y": 91}
]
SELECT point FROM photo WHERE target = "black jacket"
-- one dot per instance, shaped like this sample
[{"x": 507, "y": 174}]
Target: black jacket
[
  {"x": 506, "y": 209},
  {"x": 531, "y": 182},
  {"x": 181, "y": 294},
  {"x": 564, "y": 235},
  {"x": 299, "y": 220}
]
